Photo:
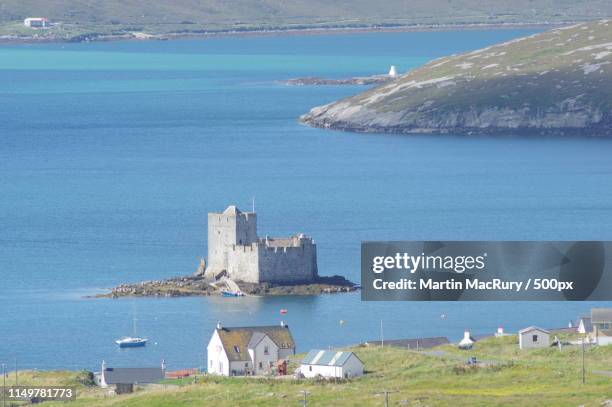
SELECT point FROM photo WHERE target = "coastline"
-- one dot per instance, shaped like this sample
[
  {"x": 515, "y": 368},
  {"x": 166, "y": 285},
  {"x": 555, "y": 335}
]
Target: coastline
[
  {"x": 197, "y": 286},
  {"x": 258, "y": 32}
]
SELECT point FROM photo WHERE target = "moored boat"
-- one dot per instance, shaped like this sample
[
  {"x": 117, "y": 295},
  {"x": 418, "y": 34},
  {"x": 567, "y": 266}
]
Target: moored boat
[{"x": 130, "y": 342}]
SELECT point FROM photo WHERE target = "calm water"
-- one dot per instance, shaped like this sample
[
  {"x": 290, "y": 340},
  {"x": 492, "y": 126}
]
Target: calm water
[{"x": 112, "y": 154}]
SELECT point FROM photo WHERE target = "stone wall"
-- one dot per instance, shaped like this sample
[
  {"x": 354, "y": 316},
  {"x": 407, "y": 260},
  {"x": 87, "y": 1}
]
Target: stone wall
[
  {"x": 243, "y": 263},
  {"x": 288, "y": 264}
]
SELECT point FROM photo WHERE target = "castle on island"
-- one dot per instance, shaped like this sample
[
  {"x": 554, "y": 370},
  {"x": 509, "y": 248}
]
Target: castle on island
[{"x": 235, "y": 251}]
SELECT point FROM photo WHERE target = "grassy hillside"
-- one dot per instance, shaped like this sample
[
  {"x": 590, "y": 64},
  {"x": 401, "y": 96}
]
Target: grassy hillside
[
  {"x": 507, "y": 377},
  {"x": 556, "y": 82},
  {"x": 81, "y": 17}
]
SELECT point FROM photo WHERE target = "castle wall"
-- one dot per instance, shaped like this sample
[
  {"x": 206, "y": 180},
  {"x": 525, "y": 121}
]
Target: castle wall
[
  {"x": 288, "y": 264},
  {"x": 243, "y": 263}
]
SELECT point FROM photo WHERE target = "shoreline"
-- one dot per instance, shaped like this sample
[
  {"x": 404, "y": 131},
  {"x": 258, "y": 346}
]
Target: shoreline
[
  {"x": 262, "y": 32},
  {"x": 198, "y": 286}
]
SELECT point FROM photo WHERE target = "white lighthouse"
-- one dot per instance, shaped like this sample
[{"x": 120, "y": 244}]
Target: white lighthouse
[{"x": 392, "y": 72}]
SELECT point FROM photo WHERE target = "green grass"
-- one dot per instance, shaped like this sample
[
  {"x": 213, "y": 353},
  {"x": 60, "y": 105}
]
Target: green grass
[
  {"x": 526, "y": 378},
  {"x": 92, "y": 18}
]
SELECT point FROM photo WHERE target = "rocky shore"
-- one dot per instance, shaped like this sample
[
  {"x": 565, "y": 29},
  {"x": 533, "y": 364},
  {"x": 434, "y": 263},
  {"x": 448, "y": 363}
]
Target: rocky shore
[
  {"x": 191, "y": 286},
  {"x": 359, "y": 80}
]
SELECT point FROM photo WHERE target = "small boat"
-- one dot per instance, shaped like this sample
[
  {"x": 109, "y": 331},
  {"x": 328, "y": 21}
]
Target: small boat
[
  {"x": 130, "y": 342},
  {"x": 227, "y": 293}
]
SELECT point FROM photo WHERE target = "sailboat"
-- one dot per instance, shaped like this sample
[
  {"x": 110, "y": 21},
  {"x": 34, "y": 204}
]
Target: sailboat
[{"x": 132, "y": 341}]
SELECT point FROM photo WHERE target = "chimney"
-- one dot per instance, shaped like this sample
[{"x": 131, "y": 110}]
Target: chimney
[
  {"x": 219, "y": 325},
  {"x": 163, "y": 364}
]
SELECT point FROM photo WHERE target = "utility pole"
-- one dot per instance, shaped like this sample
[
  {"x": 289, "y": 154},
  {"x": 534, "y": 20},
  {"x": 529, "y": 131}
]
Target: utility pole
[
  {"x": 16, "y": 373},
  {"x": 382, "y": 338},
  {"x": 386, "y": 394},
  {"x": 3, "y": 385},
  {"x": 304, "y": 400},
  {"x": 583, "y": 373}
]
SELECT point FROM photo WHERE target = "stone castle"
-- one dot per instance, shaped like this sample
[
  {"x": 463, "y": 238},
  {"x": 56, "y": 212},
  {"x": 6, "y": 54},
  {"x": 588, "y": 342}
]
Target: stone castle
[{"x": 235, "y": 250}]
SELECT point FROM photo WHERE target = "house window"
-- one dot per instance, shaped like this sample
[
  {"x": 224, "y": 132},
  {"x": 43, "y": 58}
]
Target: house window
[
  {"x": 220, "y": 367},
  {"x": 534, "y": 338},
  {"x": 271, "y": 364},
  {"x": 310, "y": 368},
  {"x": 266, "y": 350},
  {"x": 211, "y": 363},
  {"x": 236, "y": 349},
  {"x": 246, "y": 365},
  {"x": 605, "y": 326},
  {"x": 260, "y": 365}
]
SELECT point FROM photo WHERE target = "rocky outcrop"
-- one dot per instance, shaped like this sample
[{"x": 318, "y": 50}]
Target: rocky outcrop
[
  {"x": 197, "y": 286},
  {"x": 557, "y": 82}
]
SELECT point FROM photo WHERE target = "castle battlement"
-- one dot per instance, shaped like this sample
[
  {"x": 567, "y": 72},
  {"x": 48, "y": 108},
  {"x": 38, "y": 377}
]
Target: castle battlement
[{"x": 235, "y": 248}]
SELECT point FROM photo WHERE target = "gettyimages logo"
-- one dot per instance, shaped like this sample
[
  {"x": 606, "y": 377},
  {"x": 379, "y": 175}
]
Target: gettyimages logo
[
  {"x": 486, "y": 271},
  {"x": 412, "y": 264}
]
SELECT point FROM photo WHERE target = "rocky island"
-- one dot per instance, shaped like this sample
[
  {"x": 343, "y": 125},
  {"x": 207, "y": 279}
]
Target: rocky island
[
  {"x": 557, "y": 82},
  {"x": 197, "y": 286}
]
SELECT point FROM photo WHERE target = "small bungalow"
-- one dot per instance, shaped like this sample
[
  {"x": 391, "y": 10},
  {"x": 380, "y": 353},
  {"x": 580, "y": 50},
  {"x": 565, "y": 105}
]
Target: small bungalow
[
  {"x": 244, "y": 351},
  {"x": 36, "y": 22},
  {"x": 331, "y": 364},
  {"x": 534, "y": 337},
  {"x": 601, "y": 321},
  {"x": 124, "y": 378}
]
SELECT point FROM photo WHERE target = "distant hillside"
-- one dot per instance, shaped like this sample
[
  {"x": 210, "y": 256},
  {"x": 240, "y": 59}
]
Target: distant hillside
[
  {"x": 188, "y": 15},
  {"x": 557, "y": 82}
]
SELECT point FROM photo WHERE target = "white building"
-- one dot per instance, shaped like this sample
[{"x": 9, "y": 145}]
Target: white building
[
  {"x": 36, "y": 22},
  {"x": 467, "y": 342},
  {"x": 534, "y": 337},
  {"x": 253, "y": 350},
  {"x": 331, "y": 363}
]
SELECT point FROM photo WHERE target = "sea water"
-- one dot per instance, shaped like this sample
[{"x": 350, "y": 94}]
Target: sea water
[{"x": 111, "y": 155}]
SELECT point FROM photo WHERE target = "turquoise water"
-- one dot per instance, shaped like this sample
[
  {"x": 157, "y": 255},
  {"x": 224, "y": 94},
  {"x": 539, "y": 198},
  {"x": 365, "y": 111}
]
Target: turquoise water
[{"x": 111, "y": 154}]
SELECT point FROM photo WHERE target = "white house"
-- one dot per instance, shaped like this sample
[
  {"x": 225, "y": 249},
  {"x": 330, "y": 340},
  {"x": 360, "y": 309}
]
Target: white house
[
  {"x": 36, "y": 22},
  {"x": 534, "y": 337},
  {"x": 331, "y": 363},
  {"x": 601, "y": 321},
  {"x": 241, "y": 351}
]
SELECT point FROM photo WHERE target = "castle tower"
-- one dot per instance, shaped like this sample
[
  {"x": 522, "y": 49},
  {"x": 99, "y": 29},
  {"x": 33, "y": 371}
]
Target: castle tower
[{"x": 228, "y": 229}]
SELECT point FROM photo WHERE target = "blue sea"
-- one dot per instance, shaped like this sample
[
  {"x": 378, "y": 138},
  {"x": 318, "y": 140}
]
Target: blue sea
[{"x": 111, "y": 155}]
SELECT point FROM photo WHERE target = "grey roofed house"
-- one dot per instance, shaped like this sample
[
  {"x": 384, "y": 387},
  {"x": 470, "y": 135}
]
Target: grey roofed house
[
  {"x": 601, "y": 316},
  {"x": 414, "y": 343},
  {"x": 132, "y": 375}
]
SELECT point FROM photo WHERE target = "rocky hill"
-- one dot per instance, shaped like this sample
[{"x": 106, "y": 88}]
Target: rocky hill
[{"x": 557, "y": 82}]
